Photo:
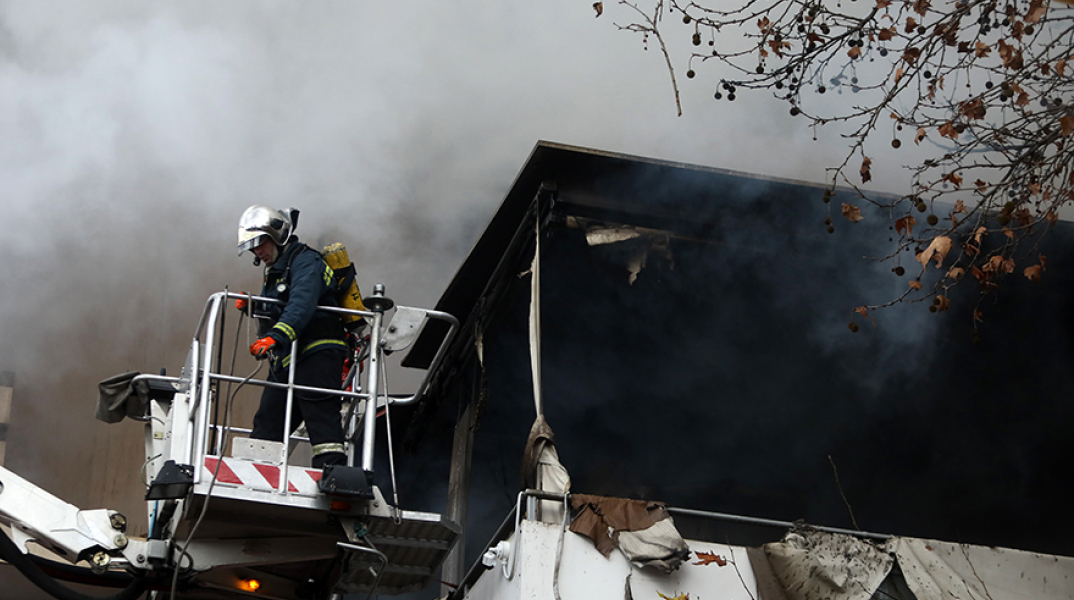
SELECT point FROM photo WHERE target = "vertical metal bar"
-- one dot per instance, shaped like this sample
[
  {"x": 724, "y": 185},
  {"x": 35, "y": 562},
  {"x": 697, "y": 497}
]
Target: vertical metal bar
[
  {"x": 201, "y": 430},
  {"x": 370, "y": 432},
  {"x": 187, "y": 458},
  {"x": 214, "y": 438},
  {"x": 349, "y": 428},
  {"x": 287, "y": 417}
]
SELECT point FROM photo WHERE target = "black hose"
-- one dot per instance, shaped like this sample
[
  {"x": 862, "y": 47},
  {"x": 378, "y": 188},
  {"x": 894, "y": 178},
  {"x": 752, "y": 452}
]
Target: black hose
[
  {"x": 11, "y": 553},
  {"x": 68, "y": 572}
]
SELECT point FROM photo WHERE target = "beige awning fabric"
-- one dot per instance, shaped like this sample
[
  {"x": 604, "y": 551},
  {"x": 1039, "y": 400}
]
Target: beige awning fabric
[
  {"x": 937, "y": 570},
  {"x": 816, "y": 565}
]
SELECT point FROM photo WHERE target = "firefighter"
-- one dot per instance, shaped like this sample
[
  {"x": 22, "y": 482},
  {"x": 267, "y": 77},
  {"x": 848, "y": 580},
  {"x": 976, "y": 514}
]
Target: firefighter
[{"x": 298, "y": 276}]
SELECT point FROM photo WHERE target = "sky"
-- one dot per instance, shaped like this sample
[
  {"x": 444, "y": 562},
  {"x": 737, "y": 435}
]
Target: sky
[{"x": 134, "y": 134}]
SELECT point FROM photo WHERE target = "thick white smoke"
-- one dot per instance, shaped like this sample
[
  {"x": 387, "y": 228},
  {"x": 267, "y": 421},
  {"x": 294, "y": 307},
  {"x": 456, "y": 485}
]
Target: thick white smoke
[{"x": 132, "y": 135}]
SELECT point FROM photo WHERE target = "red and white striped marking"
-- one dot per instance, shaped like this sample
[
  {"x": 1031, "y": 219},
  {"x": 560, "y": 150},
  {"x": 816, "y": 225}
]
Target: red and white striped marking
[{"x": 260, "y": 476}]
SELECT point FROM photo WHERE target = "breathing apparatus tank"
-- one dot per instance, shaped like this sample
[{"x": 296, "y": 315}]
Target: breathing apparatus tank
[{"x": 349, "y": 297}]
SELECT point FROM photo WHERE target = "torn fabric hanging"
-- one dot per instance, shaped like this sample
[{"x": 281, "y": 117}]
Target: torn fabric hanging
[
  {"x": 643, "y": 531},
  {"x": 541, "y": 468}
]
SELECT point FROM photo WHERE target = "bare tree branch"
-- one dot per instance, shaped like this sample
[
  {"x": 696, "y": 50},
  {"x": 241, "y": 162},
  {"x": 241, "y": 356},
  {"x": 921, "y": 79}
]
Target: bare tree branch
[{"x": 985, "y": 88}]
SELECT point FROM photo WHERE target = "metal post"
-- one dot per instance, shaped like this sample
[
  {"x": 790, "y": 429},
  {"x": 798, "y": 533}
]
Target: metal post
[
  {"x": 185, "y": 423},
  {"x": 287, "y": 417},
  {"x": 377, "y": 303},
  {"x": 201, "y": 416},
  {"x": 351, "y": 426},
  {"x": 373, "y": 389}
]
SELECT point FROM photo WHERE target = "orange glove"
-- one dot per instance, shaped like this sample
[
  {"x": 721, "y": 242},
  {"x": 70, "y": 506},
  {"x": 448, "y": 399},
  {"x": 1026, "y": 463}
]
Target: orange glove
[
  {"x": 241, "y": 303},
  {"x": 261, "y": 347}
]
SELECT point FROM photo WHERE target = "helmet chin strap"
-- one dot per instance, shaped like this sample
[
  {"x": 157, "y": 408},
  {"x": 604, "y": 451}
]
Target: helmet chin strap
[{"x": 257, "y": 261}]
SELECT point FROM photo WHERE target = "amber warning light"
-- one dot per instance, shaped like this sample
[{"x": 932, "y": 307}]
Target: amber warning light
[{"x": 250, "y": 585}]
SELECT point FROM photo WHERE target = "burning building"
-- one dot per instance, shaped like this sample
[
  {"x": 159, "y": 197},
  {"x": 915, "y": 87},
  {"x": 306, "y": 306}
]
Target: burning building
[{"x": 694, "y": 348}]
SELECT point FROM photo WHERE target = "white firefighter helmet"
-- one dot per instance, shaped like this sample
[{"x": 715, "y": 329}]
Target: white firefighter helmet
[{"x": 260, "y": 221}]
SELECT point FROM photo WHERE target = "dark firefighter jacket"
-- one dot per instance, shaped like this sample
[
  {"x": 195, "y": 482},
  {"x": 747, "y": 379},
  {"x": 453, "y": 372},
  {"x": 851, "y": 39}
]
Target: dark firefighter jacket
[{"x": 302, "y": 280}]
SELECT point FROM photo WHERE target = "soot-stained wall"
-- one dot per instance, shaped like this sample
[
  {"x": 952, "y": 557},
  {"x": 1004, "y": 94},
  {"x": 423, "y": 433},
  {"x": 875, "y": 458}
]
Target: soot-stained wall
[{"x": 725, "y": 378}]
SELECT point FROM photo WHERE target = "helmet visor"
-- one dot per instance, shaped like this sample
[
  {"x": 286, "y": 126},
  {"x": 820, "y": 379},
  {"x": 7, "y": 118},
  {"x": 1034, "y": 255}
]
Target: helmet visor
[{"x": 248, "y": 240}]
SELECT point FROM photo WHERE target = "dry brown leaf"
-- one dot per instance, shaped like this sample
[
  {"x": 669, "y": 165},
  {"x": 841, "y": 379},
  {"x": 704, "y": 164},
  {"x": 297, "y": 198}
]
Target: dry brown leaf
[
  {"x": 981, "y": 185},
  {"x": 682, "y": 596},
  {"x": 973, "y": 109},
  {"x": 886, "y": 34},
  {"x": 883, "y": 3},
  {"x": 943, "y": 303},
  {"x": 866, "y": 175},
  {"x": 1033, "y": 273},
  {"x": 910, "y": 55},
  {"x": 1007, "y": 266},
  {"x": 977, "y": 234},
  {"x": 898, "y": 74},
  {"x": 954, "y": 178},
  {"x": 937, "y": 249},
  {"x": 1061, "y": 67},
  {"x": 861, "y": 310},
  {"x": 599, "y": 8},
  {"x": 851, "y": 212},
  {"x": 707, "y": 558},
  {"x": 1017, "y": 29},
  {"x": 960, "y": 207},
  {"x": 921, "y": 7},
  {"x": 1043, "y": 262},
  {"x": 854, "y": 52},
  {"x": 915, "y": 284},
  {"x": 1025, "y": 218},
  {"x": 948, "y": 130},
  {"x": 956, "y": 273},
  {"x": 906, "y": 223},
  {"x": 1034, "y": 188},
  {"x": 1052, "y": 218},
  {"x": 981, "y": 49},
  {"x": 1012, "y": 56},
  {"x": 994, "y": 263},
  {"x": 1066, "y": 125},
  {"x": 1007, "y": 232},
  {"x": 920, "y": 135},
  {"x": 1036, "y": 11}
]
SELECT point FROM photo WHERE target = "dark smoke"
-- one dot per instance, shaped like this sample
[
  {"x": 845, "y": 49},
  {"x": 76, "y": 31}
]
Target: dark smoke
[{"x": 728, "y": 380}]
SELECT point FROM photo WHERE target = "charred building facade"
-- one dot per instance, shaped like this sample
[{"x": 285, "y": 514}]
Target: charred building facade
[{"x": 695, "y": 349}]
